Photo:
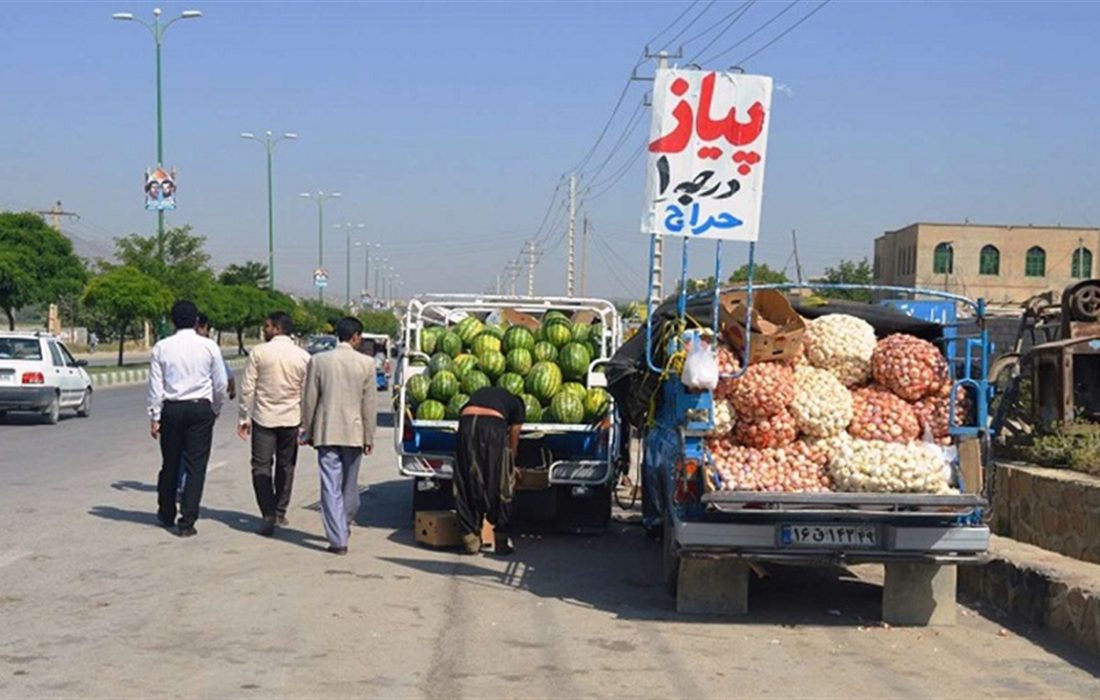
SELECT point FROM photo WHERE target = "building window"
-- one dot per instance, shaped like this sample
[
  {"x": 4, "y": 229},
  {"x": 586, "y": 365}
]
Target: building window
[
  {"x": 990, "y": 261},
  {"x": 1082, "y": 263},
  {"x": 1035, "y": 264},
  {"x": 943, "y": 259}
]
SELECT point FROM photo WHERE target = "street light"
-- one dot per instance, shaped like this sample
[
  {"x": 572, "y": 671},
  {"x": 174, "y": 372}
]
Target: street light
[
  {"x": 157, "y": 30},
  {"x": 269, "y": 145},
  {"x": 347, "y": 261},
  {"x": 320, "y": 197},
  {"x": 377, "y": 278}
]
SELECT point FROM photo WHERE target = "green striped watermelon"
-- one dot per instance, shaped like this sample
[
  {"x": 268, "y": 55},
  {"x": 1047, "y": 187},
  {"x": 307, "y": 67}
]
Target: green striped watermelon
[
  {"x": 555, "y": 314},
  {"x": 558, "y": 332},
  {"x": 566, "y": 408},
  {"x": 468, "y": 329},
  {"x": 455, "y": 405},
  {"x": 573, "y": 360},
  {"x": 534, "y": 408},
  {"x": 545, "y": 352},
  {"x": 429, "y": 339},
  {"x": 444, "y": 386},
  {"x": 441, "y": 362},
  {"x": 431, "y": 410},
  {"x": 451, "y": 344},
  {"x": 518, "y": 337},
  {"x": 512, "y": 382},
  {"x": 580, "y": 332},
  {"x": 475, "y": 379},
  {"x": 520, "y": 361},
  {"x": 463, "y": 364},
  {"x": 492, "y": 363},
  {"x": 495, "y": 331},
  {"x": 486, "y": 342},
  {"x": 595, "y": 347},
  {"x": 544, "y": 380},
  {"x": 575, "y": 389},
  {"x": 417, "y": 388},
  {"x": 596, "y": 403}
]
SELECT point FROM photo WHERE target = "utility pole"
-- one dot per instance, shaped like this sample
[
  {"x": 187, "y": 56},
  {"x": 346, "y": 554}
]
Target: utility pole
[
  {"x": 55, "y": 213},
  {"x": 656, "y": 282},
  {"x": 584, "y": 258},
  {"x": 513, "y": 274},
  {"x": 530, "y": 268},
  {"x": 498, "y": 285},
  {"x": 572, "y": 233},
  {"x": 797, "y": 262}
]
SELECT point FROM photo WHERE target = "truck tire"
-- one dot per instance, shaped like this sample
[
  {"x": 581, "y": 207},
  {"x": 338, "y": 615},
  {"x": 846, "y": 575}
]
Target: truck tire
[
  {"x": 670, "y": 558},
  {"x": 52, "y": 414}
]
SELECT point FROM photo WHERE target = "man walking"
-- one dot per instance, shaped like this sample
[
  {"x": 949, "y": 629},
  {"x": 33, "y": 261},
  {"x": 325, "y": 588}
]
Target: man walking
[
  {"x": 187, "y": 386},
  {"x": 271, "y": 412},
  {"x": 338, "y": 419}
]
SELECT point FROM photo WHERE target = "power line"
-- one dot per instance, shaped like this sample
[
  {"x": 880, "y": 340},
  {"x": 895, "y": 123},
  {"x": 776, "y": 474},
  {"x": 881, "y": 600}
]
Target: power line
[
  {"x": 742, "y": 10},
  {"x": 754, "y": 32},
  {"x": 628, "y": 131},
  {"x": 714, "y": 26},
  {"x": 690, "y": 24},
  {"x": 785, "y": 32},
  {"x": 671, "y": 24},
  {"x": 616, "y": 176}
]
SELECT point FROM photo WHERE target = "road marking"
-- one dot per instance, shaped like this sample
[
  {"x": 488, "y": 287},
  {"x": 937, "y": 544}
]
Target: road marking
[
  {"x": 216, "y": 466},
  {"x": 12, "y": 556}
]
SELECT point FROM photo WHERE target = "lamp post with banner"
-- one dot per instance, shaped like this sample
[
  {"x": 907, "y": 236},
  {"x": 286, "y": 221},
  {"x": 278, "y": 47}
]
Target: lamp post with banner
[{"x": 320, "y": 198}]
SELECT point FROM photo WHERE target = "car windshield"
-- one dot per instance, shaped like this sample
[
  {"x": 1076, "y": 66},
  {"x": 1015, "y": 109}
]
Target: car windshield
[
  {"x": 28, "y": 349},
  {"x": 326, "y": 343}
]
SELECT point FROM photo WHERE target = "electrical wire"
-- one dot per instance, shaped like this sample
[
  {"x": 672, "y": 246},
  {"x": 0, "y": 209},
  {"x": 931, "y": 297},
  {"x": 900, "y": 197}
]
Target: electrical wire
[
  {"x": 742, "y": 10},
  {"x": 785, "y": 32},
  {"x": 711, "y": 28},
  {"x": 628, "y": 132},
  {"x": 753, "y": 33},
  {"x": 673, "y": 23},
  {"x": 689, "y": 25},
  {"x": 616, "y": 177}
]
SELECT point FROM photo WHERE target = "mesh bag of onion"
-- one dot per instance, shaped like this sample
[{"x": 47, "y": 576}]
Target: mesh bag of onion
[
  {"x": 785, "y": 469},
  {"x": 727, "y": 364},
  {"x": 879, "y": 415},
  {"x": 775, "y": 431},
  {"x": 933, "y": 413},
  {"x": 908, "y": 366},
  {"x": 763, "y": 390}
]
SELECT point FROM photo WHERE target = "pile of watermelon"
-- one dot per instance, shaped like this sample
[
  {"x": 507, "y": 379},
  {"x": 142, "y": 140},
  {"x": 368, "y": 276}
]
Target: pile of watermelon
[{"x": 547, "y": 368}]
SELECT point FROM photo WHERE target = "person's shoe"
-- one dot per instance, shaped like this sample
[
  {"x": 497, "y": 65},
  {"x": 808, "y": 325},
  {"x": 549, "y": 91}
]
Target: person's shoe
[
  {"x": 502, "y": 543},
  {"x": 341, "y": 551},
  {"x": 188, "y": 531},
  {"x": 165, "y": 522},
  {"x": 471, "y": 543},
  {"x": 268, "y": 527},
  {"x": 281, "y": 521}
]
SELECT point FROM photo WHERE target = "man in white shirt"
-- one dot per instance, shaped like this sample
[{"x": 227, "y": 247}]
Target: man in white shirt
[
  {"x": 187, "y": 384},
  {"x": 271, "y": 411}
]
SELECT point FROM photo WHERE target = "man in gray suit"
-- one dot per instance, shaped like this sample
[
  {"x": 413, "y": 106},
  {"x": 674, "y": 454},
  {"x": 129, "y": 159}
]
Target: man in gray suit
[{"x": 338, "y": 419}]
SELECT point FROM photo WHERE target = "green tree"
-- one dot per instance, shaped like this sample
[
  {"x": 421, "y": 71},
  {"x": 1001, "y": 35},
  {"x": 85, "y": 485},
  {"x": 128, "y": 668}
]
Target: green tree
[
  {"x": 125, "y": 295},
  {"x": 849, "y": 272},
  {"x": 380, "y": 322},
  {"x": 251, "y": 273},
  {"x": 185, "y": 269},
  {"x": 37, "y": 264},
  {"x": 762, "y": 274}
]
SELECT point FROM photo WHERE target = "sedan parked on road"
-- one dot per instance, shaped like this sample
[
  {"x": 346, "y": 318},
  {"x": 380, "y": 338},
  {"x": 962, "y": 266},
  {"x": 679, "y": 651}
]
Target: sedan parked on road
[{"x": 39, "y": 374}]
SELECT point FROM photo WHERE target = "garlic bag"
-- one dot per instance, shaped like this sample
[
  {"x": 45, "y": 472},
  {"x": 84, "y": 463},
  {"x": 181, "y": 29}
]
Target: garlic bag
[
  {"x": 841, "y": 344},
  {"x": 723, "y": 417},
  {"x": 874, "y": 466},
  {"x": 822, "y": 406}
]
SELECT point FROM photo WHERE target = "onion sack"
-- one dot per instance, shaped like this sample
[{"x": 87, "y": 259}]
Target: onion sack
[{"x": 908, "y": 366}]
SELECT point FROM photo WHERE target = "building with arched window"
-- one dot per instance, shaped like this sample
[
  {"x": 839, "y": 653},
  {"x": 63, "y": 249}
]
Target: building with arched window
[{"x": 1003, "y": 264}]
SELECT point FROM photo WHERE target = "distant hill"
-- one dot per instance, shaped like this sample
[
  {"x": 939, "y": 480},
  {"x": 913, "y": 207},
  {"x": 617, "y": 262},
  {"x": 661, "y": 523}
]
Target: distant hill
[{"x": 90, "y": 250}]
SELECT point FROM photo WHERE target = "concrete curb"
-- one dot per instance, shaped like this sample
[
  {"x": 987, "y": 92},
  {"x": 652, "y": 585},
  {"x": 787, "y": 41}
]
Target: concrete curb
[
  {"x": 130, "y": 377},
  {"x": 1038, "y": 587}
]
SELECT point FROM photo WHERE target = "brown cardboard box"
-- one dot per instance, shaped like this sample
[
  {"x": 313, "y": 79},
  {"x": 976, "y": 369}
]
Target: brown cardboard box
[
  {"x": 439, "y": 528},
  {"x": 585, "y": 317},
  {"x": 532, "y": 479},
  {"x": 777, "y": 328},
  {"x": 516, "y": 318}
]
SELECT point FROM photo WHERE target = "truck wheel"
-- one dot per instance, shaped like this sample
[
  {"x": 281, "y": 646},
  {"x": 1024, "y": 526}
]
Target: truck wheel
[
  {"x": 670, "y": 558},
  {"x": 52, "y": 414},
  {"x": 85, "y": 408}
]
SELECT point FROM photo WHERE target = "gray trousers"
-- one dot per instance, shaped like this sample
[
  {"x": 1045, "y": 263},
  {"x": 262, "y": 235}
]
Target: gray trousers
[{"x": 339, "y": 468}]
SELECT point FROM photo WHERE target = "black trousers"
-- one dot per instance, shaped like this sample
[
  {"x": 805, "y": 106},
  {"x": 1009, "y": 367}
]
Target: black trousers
[
  {"x": 483, "y": 475},
  {"x": 186, "y": 430},
  {"x": 278, "y": 448}
]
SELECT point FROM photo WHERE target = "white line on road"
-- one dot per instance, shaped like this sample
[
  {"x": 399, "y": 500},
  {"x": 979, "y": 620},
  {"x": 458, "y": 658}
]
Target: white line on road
[
  {"x": 216, "y": 465},
  {"x": 12, "y": 556}
]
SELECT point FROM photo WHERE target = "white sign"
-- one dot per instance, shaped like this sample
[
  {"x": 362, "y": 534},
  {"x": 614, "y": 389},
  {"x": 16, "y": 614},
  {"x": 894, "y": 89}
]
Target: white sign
[
  {"x": 320, "y": 277},
  {"x": 708, "y": 143}
]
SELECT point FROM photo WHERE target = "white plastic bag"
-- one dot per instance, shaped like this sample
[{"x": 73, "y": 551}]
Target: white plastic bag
[{"x": 700, "y": 371}]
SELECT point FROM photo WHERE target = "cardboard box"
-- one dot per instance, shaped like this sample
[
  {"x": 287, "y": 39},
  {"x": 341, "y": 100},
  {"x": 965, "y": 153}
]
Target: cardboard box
[
  {"x": 532, "y": 479},
  {"x": 439, "y": 528},
  {"x": 777, "y": 328},
  {"x": 517, "y": 318}
]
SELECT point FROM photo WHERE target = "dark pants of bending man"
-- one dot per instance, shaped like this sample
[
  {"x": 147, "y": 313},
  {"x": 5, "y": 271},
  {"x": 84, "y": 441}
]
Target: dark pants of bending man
[
  {"x": 483, "y": 473},
  {"x": 273, "y": 448}
]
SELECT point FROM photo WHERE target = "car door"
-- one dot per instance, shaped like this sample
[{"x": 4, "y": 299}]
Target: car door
[
  {"x": 61, "y": 374},
  {"x": 79, "y": 377}
]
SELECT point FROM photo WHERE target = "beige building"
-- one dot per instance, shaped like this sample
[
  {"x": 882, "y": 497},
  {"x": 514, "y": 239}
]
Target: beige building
[{"x": 1003, "y": 264}]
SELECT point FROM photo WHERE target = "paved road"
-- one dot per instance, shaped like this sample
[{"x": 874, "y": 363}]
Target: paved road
[{"x": 95, "y": 600}]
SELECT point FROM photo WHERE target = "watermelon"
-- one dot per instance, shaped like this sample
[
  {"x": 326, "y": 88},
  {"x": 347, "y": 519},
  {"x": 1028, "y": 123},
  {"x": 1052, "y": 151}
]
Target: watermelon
[
  {"x": 567, "y": 408},
  {"x": 431, "y": 410},
  {"x": 573, "y": 360},
  {"x": 555, "y": 314},
  {"x": 573, "y": 388},
  {"x": 455, "y": 405},
  {"x": 595, "y": 347},
  {"x": 468, "y": 329},
  {"x": 512, "y": 382},
  {"x": 544, "y": 352},
  {"x": 518, "y": 338},
  {"x": 451, "y": 344},
  {"x": 559, "y": 333},
  {"x": 596, "y": 403},
  {"x": 492, "y": 363},
  {"x": 495, "y": 331},
  {"x": 544, "y": 380},
  {"x": 475, "y": 379},
  {"x": 417, "y": 388},
  {"x": 520, "y": 361},
  {"x": 534, "y": 408},
  {"x": 441, "y": 362},
  {"x": 486, "y": 342},
  {"x": 580, "y": 333},
  {"x": 444, "y": 386},
  {"x": 463, "y": 364},
  {"x": 429, "y": 339}
]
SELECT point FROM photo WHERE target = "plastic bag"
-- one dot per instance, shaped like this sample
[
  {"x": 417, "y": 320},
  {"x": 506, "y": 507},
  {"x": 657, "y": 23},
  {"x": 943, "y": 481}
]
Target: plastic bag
[{"x": 700, "y": 371}]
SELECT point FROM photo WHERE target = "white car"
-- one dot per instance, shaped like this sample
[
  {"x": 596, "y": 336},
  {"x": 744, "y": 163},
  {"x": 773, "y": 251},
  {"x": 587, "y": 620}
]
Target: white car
[{"x": 38, "y": 373}]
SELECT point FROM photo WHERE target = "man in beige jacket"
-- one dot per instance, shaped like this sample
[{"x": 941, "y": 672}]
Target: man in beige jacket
[
  {"x": 338, "y": 419},
  {"x": 271, "y": 413}
]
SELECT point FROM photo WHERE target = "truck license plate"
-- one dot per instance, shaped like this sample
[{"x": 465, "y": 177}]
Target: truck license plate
[{"x": 828, "y": 536}]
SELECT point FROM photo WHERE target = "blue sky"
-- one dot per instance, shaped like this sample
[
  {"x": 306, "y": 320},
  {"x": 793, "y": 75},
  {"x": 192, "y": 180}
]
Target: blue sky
[{"x": 446, "y": 126}]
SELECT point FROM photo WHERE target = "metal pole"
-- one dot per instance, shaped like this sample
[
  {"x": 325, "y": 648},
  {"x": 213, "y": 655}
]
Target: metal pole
[
  {"x": 530, "y": 268},
  {"x": 572, "y": 233},
  {"x": 160, "y": 134},
  {"x": 347, "y": 268},
  {"x": 584, "y": 258},
  {"x": 657, "y": 250},
  {"x": 270, "y": 220},
  {"x": 366, "y": 268},
  {"x": 321, "y": 240}
]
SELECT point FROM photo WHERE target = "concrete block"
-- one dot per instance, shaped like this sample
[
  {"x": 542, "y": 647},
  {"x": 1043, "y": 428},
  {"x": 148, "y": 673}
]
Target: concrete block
[
  {"x": 919, "y": 593},
  {"x": 713, "y": 586}
]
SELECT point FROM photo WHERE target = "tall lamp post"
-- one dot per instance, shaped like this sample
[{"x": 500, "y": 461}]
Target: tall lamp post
[
  {"x": 377, "y": 278},
  {"x": 269, "y": 142},
  {"x": 320, "y": 197},
  {"x": 157, "y": 29},
  {"x": 347, "y": 260},
  {"x": 366, "y": 263}
]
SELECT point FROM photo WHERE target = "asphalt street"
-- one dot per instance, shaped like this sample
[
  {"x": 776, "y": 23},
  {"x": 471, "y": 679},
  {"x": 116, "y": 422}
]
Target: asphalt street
[{"x": 96, "y": 600}]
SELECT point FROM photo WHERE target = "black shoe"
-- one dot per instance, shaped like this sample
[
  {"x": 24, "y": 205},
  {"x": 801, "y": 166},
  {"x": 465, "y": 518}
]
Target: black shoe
[
  {"x": 165, "y": 522},
  {"x": 338, "y": 550},
  {"x": 502, "y": 544},
  {"x": 268, "y": 527},
  {"x": 281, "y": 521},
  {"x": 188, "y": 531}
]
